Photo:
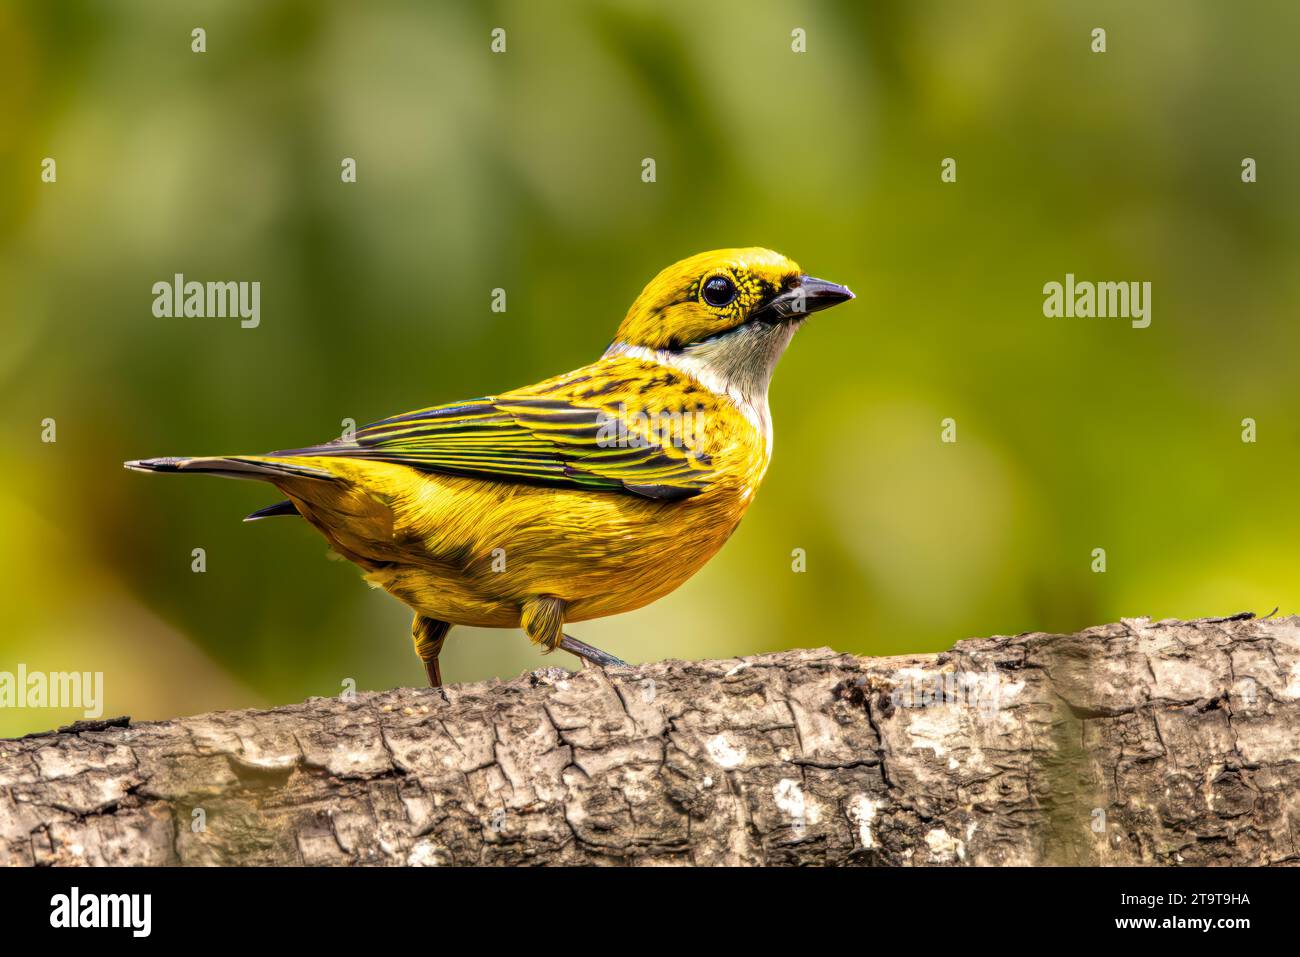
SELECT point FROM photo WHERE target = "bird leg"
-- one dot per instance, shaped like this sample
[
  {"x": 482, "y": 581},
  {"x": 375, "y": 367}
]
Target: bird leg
[
  {"x": 589, "y": 653},
  {"x": 543, "y": 619},
  {"x": 429, "y": 634}
]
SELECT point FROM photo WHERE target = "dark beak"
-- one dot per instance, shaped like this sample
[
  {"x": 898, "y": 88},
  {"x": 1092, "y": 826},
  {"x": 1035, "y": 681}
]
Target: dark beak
[{"x": 806, "y": 296}]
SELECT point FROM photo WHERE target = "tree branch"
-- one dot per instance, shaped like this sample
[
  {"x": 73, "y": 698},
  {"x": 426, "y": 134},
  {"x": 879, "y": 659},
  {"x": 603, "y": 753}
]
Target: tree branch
[{"x": 1137, "y": 742}]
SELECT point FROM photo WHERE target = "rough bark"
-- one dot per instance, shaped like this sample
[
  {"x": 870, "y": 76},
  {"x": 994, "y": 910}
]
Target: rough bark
[{"x": 1137, "y": 742}]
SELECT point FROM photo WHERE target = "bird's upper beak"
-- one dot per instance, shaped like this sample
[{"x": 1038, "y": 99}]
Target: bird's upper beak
[{"x": 807, "y": 295}]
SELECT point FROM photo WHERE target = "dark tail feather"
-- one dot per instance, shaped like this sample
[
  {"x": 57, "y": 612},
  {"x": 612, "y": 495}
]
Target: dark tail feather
[
  {"x": 230, "y": 467},
  {"x": 271, "y": 511}
]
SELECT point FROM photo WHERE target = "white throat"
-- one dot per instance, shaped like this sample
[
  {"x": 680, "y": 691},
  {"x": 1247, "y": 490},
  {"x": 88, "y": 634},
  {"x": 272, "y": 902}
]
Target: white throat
[{"x": 738, "y": 365}]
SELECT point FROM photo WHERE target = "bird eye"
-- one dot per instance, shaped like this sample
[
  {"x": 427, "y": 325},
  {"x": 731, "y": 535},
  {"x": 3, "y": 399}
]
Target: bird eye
[{"x": 719, "y": 291}]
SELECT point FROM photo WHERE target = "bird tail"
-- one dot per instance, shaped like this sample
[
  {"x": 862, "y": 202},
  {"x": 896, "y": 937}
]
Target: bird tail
[
  {"x": 271, "y": 511},
  {"x": 240, "y": 467}
]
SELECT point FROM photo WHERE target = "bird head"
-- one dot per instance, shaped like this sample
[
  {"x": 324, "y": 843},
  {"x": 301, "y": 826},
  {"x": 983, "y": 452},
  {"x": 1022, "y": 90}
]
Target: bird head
[
  {"x": 714, "y": 293},
  {"x": 732, "y": 311}
]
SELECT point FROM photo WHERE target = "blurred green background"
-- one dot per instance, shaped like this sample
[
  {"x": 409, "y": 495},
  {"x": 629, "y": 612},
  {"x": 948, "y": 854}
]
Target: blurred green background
[{"x": 522, "y": 171}]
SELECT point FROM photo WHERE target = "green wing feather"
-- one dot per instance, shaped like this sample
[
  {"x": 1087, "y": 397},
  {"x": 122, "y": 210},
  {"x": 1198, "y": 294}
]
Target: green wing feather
[{"x": 525, "y": 437}]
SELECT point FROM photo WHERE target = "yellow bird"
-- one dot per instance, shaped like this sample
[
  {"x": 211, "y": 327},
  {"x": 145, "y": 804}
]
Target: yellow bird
[{"x": 588, "y": 494}]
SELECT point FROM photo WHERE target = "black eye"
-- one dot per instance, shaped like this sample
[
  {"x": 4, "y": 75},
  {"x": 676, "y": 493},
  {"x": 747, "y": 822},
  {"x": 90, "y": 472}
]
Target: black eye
[{"x": 719, "y": 291}]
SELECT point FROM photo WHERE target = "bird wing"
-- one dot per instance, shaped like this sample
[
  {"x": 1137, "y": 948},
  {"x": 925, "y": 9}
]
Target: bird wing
[{"x": 573, "y": 431}]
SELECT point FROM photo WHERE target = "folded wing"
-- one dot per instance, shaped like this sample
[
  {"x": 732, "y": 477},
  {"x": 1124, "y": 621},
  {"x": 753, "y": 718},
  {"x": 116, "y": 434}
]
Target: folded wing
[{"x": 552, "y": 436}]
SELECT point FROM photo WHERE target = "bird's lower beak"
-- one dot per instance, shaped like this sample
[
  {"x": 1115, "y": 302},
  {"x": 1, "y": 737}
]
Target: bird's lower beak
[{"x": 808, "y": 295}]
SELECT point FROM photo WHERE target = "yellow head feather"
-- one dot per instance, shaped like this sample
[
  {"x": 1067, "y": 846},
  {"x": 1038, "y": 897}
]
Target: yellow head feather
[{"x": 675, "y": 309}]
